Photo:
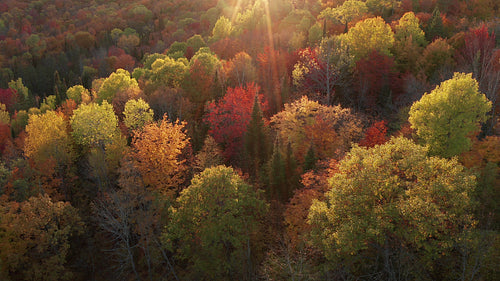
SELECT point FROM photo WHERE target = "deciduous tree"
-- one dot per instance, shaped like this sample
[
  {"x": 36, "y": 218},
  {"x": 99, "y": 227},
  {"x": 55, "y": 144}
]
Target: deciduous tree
[
  {"x": 137, "y": 114},
  {"x": 157, "y": 151},
  {"x": 35, "y": 239},
  {"x": 393, "y": 210},
  {"x": 215, "y": 224},
  {"x": 94, "y": 125},
  {"x": 446, "y": 116},
  {"x": 369, "y": 35},
  {"x": 229, "y": 117}
]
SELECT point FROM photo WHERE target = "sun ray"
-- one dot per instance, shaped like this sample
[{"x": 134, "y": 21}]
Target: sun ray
[
  {"x": 272, "y": 55},
  {"x": 236, "y": 9}
]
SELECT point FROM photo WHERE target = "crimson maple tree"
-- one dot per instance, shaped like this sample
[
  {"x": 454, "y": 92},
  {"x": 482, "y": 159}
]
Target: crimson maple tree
[{"x": 229, "y": 117}]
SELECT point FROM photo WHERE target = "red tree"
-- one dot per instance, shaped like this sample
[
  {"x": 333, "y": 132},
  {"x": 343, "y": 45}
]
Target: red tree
[
  {"x": 479, "y": 57},
  {"x": 376, "y": 77},
  {"x": 7, "y": 97},
  {"x": 375, "y": 134},
  {"x": 229, "y": 117}
]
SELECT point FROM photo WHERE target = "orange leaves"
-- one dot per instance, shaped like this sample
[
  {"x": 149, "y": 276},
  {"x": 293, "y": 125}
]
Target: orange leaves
[
  {"x": 157, "y": 151},
  {"x": 375, "y": 134}
]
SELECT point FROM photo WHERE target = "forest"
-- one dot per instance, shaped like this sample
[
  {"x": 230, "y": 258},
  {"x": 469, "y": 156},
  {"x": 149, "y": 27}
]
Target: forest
[{"x": 249, "y": 140}]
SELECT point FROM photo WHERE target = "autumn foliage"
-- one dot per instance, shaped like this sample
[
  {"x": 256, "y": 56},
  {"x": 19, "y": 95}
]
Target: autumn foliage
[{"x": 229, "y": 117}]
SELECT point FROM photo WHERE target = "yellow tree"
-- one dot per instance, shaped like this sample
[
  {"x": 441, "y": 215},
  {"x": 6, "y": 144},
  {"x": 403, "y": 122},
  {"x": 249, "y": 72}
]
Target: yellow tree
[
  {"x": 370, "y": 35},
  {"x": 94, "y": 125},
  {"x": 157, "y": 155},
  {"x": 47, "y": 137},
  {"x": 48, "y": 146},
  {"x": 328, "y": 129}
]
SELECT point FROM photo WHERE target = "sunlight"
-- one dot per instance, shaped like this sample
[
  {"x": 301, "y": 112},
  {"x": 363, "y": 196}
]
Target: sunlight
[
  {"x": 272, "y": 57},
  {"x": 236, "y": 9}
]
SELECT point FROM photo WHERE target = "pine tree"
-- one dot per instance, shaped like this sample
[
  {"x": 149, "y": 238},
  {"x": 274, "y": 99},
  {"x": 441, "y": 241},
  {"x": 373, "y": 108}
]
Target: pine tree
[
  {"x": 310, "y": 160},
  {"x": 275, "y": 174},
  {"x": 256, "y": 140},
  {"x": 435, "y": 26},
  {"x": 292, "y": 176}
]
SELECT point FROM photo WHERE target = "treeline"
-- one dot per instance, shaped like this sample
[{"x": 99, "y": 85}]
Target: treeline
[{"x": 249, "y": 140}]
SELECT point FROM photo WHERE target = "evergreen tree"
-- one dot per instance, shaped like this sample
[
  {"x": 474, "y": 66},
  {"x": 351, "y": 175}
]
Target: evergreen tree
[
  {"x": 310, "y": 160},
  {"x": 292, "y": 176},
  {"x": 435, "y": 26},
  {"x": 275, "y": 173},
  {"x": 256, "y": 140}
]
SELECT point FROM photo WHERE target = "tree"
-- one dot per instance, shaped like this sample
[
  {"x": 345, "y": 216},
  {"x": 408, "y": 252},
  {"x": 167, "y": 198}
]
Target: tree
[
  {"x": 256, "y": 139},
  {"x": 479, "y": 56},
  {"x": 435, "y": 26},
  {"x": 446, "y": 116},
  {"x": 437, "y": 60},
  {"x": 77, "y": 92},
  {"x": 321, "y": 70},
  {"x": 168, "y": 71},
  {"x": 377, "y": 81},
  {"x": 209, "y": 156},
  {"x": 408, "y": 27},
  {"x": 345, "y": 13},
  {"x": 137, "y": 114},
  {"x": 47, "y": 144},
  {"x": 240, "y": 70},
  {"x": 94, "y": 125},
  {"x": 222, "y": 29},
  {"x": 47, "y": 137},
  {"x": 229, "y": 117},
  {"x": 369, "y": 35},
  {"x": 376, "y": 134},
  {"x": 4, "y": 114},
  {"x": 392, "y": 210},
  {"x": 35, "y": 239},
  {"x": 157, "y": 151},
  {"x": 119, "y": 80},
  {"x": 330, "y": 129},
  {"x": 215, "y": 225}
]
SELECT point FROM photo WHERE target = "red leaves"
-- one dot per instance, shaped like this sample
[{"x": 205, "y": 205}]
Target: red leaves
[
  {"x": 229, "y": 117},
  {"x": 7, "y": 97},
  {"x": 376, "y": 75},
  {"x": 375, "y": 134}
]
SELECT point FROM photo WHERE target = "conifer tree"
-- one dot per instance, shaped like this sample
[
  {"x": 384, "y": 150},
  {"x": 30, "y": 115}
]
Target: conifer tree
[{"x": 256, "y": 140}]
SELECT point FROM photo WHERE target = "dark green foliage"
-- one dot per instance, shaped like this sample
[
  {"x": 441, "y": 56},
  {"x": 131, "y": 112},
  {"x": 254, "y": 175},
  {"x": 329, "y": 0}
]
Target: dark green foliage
[
  {"x": 257, "y": 146},
  {"x": 435, "y": 26}
]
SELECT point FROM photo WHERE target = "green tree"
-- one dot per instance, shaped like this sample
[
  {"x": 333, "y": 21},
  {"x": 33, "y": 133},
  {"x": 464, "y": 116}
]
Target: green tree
[
  {"x": 446, "y": 116},
  {"x": 435, "y": 26},
  {"x": 119, "y": 80},
  {"x": 195, "y": 43},
  {"x": 94, "y": 125},
  {"x": 408, "y": 27},
  {"x": 393, "y": 210},
  {"x": 222, "y": 29},
  {"x": 369, "y": 35},
  {"x": 215, "y": 225},
  {"x": 76, "y": 93},
  {"x": 168, "y": 71},
  {"x": 257, "y": 145},
  {"x": 137, "y": 114}
]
